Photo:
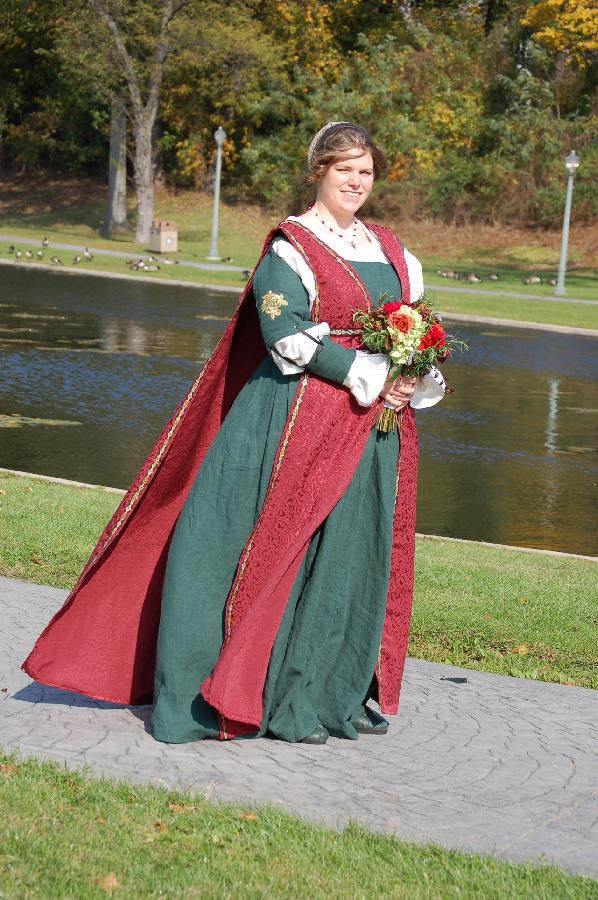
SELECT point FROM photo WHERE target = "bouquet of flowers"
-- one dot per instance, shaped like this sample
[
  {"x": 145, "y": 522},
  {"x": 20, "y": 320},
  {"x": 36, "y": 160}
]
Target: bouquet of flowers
[{"x": 412, "y": 337}]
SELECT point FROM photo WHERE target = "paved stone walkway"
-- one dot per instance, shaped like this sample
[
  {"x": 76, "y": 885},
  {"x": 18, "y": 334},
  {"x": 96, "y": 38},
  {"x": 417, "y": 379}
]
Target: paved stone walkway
[{"x": 483, "y": 763}]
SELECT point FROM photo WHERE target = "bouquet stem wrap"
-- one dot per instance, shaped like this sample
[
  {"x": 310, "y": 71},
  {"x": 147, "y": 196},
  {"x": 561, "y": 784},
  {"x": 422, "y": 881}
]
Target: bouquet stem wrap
[{"x": 387, "y": 421}]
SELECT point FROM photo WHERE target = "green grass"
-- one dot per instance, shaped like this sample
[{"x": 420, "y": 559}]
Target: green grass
[
  {"x": 67, "y": 835},
  {"x": 581, "y": 284},
  {"x": 241, "y": 233},
  {"x": 502, "y": 611},
  {"x": 559, "y": 313},
  {"x": 117, "y": 266},
  {"x": 506, "y": 611},
  {"x": 532, "y": 311},
  {"x": 65, "y": 215}
]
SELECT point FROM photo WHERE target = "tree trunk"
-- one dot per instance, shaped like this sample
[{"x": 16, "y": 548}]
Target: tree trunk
[
  {"x": 143, "y": 166},
  {"x": 116, "y": 217},
  {"x": 144, "y": 114}
]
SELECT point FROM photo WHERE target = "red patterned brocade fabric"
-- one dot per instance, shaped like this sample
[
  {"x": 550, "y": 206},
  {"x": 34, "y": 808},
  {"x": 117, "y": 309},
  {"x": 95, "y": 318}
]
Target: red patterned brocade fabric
[{"x": 103, "y": 640}]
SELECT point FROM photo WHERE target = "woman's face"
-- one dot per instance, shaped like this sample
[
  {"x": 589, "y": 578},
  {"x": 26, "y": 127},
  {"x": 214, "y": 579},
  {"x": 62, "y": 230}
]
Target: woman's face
[{"x": 347, "y": 183}]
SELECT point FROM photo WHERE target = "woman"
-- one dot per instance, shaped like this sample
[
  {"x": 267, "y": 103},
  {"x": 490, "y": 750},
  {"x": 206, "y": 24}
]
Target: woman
[{"x": 283, "y": 594}]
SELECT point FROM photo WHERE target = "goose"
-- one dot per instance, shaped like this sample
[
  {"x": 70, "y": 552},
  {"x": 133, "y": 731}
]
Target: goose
[
  {"x": 552, "y": 281},
  {"x": 148, "y": 268},
  {"x": 472, "y": 278},
  {"x": 56, "y": 260},
  {"x": 28, "y": 254},
  {"x": 18, "y": 254},
  {"x": 45, "y": 242},
  {"x": 493, "y": 276},
  {"x": 532, "y": 279},
  {"x": 76, "y": 260},
  {"x": 87, "y": 254},
  {"x": 245, "y": 273},
  {"x": 39, "y": 254},
  {"x": 227, "y": 259},
  {"x": 151, "y": 259},
  {"x": 11, "y": 249},
  {"x": 170, "y": 262}
]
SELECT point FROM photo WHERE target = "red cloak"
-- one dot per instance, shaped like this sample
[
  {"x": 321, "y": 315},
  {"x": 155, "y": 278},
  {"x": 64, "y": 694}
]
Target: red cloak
[{"x": 102, "y": 642}]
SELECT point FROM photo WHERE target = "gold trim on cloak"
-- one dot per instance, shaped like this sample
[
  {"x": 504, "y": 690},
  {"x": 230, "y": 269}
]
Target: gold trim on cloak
[
  {"x": 230, "y": 604},
  {"x": 394, "y": 514}
]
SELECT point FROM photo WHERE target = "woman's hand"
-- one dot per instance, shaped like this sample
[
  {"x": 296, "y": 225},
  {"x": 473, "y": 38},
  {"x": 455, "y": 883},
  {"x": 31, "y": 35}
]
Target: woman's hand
[{"x": 398, "y": 392}]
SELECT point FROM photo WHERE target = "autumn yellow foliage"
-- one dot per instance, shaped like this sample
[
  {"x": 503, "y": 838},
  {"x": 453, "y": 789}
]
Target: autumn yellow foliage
[{"x": 569, "y": 26}]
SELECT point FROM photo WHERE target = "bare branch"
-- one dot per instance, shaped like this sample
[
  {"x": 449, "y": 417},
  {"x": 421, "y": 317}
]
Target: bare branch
[
  {"x": 171, "y": 8},
  {"x": 101, "y": 10}
]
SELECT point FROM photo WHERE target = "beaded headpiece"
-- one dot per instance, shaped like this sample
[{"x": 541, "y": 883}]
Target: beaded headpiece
[{"x": 316, "y": 138}]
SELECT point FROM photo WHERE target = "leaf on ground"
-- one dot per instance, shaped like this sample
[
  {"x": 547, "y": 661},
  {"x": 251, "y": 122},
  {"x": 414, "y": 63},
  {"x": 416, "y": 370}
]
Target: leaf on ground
[
  {"x": 489, "y": 618},
  {"x": 522, "y": 650},
  {"x": 178, "y": 808},
  {"x": 36, "y": 559},
  {"x": 8, "y": 769},
  {"x": 523, "y": 600},
  {"x": 249, "y": 817},
  {"x": 158, "y": 829},
  {"x": 110, "y": 883}
]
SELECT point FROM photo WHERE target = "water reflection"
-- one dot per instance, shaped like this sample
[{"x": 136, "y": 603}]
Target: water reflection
[
  {"x": 509, "y": 457},
  {"x": 551, "y": 432}
]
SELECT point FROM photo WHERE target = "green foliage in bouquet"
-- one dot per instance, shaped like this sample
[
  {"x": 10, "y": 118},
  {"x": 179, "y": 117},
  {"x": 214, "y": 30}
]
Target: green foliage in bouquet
[{"x": 409, "y": 333}]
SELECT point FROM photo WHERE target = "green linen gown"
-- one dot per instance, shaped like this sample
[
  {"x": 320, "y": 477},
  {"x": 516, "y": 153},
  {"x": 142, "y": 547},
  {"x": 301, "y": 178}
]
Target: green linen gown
[{"x": 324, "y": 656}]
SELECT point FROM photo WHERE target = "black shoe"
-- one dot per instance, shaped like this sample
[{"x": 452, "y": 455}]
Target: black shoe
[
  {"x": 318, "y": 736},
  {"x": 369, "y": 722}
]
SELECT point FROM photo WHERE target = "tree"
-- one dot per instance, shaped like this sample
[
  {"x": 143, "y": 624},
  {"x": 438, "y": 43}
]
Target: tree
[
  {"x": 116, "y": 214},
  {"x": 568, "y": 26},
  {"x": 140, "y": 44}
]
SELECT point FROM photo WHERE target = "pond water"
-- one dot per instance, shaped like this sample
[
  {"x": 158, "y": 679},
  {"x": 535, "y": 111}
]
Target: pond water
[{"x": 92, "y": 368}]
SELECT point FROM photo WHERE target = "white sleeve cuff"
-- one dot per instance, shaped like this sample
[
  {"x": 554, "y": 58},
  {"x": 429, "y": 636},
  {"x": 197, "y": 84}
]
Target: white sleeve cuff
[
  {"x": 291, "y": 354},
  {"x": 365, "y": 379},
  {"x": 430, "y": 390}
]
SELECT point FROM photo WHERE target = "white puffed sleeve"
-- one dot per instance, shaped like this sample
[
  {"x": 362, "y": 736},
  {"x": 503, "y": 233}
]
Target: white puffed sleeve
[
  {"x": 291, "y": 354},
  {"x": 432, "y": 386},
  {"x": 430, "y": 390},
  {"x": 365, "y": 379}
]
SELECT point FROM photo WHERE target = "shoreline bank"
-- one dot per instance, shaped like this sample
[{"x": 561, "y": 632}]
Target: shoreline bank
[
  {"x": 425, "y": 537},
  {"x": 219, "y": 288}
]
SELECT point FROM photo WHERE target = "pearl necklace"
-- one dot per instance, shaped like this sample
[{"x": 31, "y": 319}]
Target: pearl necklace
[{"x": 352, "y": 241}]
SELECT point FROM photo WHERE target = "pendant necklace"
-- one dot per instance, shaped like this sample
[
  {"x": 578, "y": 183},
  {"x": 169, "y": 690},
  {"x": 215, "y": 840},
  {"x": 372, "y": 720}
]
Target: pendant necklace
[{"x": 352, "y": 241}]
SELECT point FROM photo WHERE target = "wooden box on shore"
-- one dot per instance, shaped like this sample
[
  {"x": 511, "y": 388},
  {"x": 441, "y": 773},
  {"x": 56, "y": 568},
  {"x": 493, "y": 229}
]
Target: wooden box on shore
[{"x": 163, "y": 237}]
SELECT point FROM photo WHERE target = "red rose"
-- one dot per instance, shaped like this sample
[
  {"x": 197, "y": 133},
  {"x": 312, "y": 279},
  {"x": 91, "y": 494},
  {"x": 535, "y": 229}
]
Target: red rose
[
  {"x": 400, "y": 321},
  {"x": 434, "y": 337},
  {"x": 391, "y": 307}
]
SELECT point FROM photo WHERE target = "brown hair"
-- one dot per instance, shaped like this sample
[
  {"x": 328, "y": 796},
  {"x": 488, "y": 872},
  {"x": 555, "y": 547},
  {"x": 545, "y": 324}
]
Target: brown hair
[{"x": 336, "y": 143}]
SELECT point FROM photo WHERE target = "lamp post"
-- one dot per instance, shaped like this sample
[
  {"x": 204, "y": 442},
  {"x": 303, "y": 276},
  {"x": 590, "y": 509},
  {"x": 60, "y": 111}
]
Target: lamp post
[
  {"x": 572, "y": 162},
  {"x": 219, "y": 137}
]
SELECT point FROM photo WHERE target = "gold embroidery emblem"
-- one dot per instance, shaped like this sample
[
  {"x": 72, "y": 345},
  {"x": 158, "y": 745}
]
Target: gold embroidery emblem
[{"x": 272, "y": 303}]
